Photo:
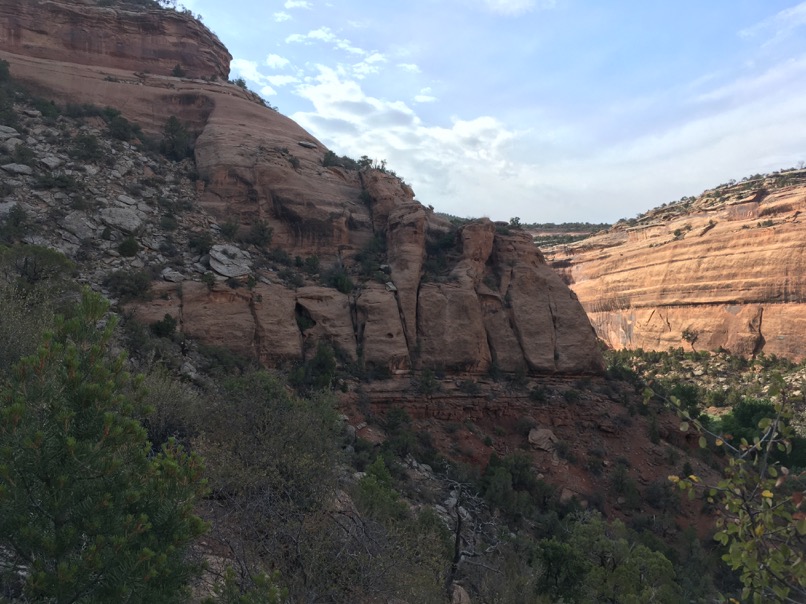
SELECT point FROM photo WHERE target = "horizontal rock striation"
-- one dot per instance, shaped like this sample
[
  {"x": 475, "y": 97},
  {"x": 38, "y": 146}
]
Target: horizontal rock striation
[
  {"x": 153, "y": 41},
  {"x": 472, "y": 299},
  {"x": 727, "y": 270}
]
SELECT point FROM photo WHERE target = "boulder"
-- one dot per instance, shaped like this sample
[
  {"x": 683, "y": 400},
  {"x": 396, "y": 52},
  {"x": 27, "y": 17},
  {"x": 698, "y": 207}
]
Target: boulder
[
  {"x": 124, "y": 219},
  {"x": 230, "y": 261},
  {"x": 18, "y": 169},
  {"x": 543, "y": 439}
]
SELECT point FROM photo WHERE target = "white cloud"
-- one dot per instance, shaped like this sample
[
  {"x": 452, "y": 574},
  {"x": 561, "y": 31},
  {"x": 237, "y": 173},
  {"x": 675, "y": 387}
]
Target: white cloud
[
  {"x": 297, "y": 4},
  {"x": 425, "y": 96},
  {"x": 267, "y": 91},
  {"x": 779, "y": 26},
  {"x": 281, "y": 16},
  {"x": 325, "y": 34},
  {"x": 778, "y": 78},
  {"x": 281, "y": 80},
  {"x": 410, "y": 67},
  {"x": 248, "y": 70},
  {"x": 553, "y": 172},
  {"x": 370, "y": 65},
  {"x": 440, "y": 161},
  {"x": 276, "y": 61}
]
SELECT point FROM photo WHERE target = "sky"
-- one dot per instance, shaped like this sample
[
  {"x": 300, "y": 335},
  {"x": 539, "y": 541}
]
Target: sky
[{"x": 548, "y": 110}]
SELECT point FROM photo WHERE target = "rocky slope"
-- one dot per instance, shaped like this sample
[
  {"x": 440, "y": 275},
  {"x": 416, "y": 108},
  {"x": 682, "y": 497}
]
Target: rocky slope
[
  {"x": 725, "y": 270},
  {"x": 430, "y": 296}
]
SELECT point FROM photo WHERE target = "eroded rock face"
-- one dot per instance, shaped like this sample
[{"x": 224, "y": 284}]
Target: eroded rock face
[
  {"x": 463, "y": 299},
  {"x": 154, "y": 41},
  {"x": 729, "y": 269},
  {"x": 379, "y": 328}
]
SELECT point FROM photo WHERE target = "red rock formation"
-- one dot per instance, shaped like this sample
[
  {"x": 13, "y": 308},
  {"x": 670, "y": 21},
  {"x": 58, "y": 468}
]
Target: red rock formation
[
  {"x": 729, "y": 267},
  {"x": 152, "y": 41},
  {"x": 257, "y": 165}
]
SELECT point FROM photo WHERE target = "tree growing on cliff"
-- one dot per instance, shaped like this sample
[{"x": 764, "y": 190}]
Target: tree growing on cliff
[
  {"x": 87, "y": 512},
  {"x": 691, "y": 336},
  {"x": 762, "y": 525},
  {"x": 176, "y": 140}
]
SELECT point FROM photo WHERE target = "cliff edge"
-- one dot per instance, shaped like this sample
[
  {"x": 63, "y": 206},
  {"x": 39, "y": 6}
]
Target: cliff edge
[{"x": 422, "y": 292}]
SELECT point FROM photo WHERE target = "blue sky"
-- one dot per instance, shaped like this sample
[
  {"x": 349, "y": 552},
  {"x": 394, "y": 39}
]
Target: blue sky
[{"x": 550, "y": 110}]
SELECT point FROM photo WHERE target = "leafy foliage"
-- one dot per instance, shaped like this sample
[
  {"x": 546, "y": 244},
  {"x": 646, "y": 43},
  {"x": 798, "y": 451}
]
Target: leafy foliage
[
  {"x": 760, "y": 525},
  {"x": 176, "y": 140},
  {"x": 85, "y": 513},
  {"x": 129, "y": 285}
]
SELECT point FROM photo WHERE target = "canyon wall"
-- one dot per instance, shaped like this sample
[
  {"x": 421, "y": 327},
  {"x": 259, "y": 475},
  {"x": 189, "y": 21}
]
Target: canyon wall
[
  {"x": 725, "y": 270},
  {"x": 467, "y": 299}
]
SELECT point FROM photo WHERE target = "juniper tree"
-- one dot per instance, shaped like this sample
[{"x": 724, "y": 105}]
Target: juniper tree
[{"x": 88, "y": 513}]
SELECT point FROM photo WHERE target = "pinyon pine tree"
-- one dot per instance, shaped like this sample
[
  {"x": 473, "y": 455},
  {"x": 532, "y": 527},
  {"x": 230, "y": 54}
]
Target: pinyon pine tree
[{"x": 88, "y": 513}]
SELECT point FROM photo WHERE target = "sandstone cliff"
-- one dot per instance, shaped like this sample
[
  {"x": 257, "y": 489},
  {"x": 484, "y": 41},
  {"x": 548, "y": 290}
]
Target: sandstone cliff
[
  {"x": 727, "y": 269},
  {"x": 430, "y": 295}
]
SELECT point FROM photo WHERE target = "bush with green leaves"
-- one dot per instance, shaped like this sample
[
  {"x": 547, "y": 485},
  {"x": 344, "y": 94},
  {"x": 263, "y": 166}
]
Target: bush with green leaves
[
  {"x": 26, "y": 314},
  {"x": 23, "y": 154},
  {"x": 510, "y": 485},
  {"x": 164, "y": 328},
  {"x": 760, "y": 525},
  {"x": 318, "y": 372},
  {"x": 86, "y": 147},
  {"x": 15, "y": 226},
  {"x": 177, "y": 141},
  {"x": 200, "y": 242},
  {"x": 31, "y": 265},
  {"x": 129, "y": 247},
  {"x": 338, "y": 278},
  {"x": 260, "y": 234},
  {"x": 229, "y": 229},
  {"x": 86, "y": 512},
  {"x": 129, "y": 285},
  {"x": 616, "y": 568}
]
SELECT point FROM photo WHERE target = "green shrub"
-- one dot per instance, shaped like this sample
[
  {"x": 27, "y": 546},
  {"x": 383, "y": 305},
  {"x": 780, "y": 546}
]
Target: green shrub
[
  {"x": 280, "y": 256},
  {"x": 318, "y": 372},
  {"x": 222, "y": 361},
  {"x": 129, "y": 285},
  {"x": 229, "y": 230},
  {"x": 33, "y": 264},
  {"x": 427, "y": 382},
  {"x": 538, "y": 394},
  {"x": 291, "y": 278},
  {"x": 510, "y": 485},
  {"x": 122, "y": 129},
  {"x": 164, "y": 328},
  {"x": 15, "y": 226},
  {"x": 129, "y": 247},
  {"x": 200, "y": 242},
  {"x": 564, "y": 451},
  {"x": 311, "y": 265},
  {"x": 337, "y": 277},
  {"x": 23, "y": 154},
  {"x": 49, "y": 180},
  {"x": 571, "y": 396},
  {"x": 260, "y": 234},
  {"x": 176, "y": 140},
  {"x": 86, "y": 147},
  {"x": 208, "y": 279}
]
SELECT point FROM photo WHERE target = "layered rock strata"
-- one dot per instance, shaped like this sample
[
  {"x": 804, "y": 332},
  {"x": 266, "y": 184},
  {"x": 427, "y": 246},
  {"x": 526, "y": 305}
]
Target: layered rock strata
[
  {"x": 470, "y": 299},
  {"x": 727, "y": 270}
]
